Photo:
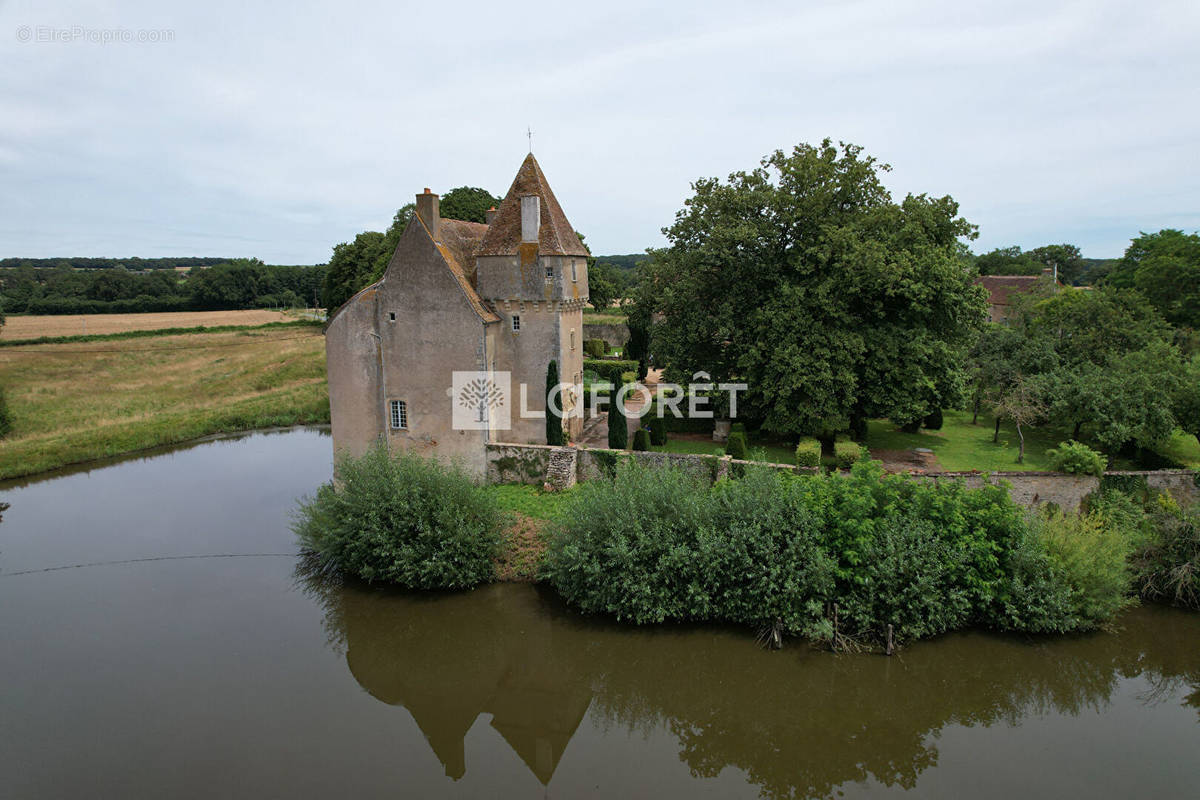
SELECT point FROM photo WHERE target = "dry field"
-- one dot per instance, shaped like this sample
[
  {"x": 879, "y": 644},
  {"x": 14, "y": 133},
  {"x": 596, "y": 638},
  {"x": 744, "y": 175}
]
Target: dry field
[
  {"x": 35, "y": 327},
  {"x": 80, "y": 401}
]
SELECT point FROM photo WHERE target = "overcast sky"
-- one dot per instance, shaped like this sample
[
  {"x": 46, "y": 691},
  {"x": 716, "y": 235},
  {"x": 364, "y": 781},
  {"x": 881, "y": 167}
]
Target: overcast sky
[{"x": 278, "y": 130}]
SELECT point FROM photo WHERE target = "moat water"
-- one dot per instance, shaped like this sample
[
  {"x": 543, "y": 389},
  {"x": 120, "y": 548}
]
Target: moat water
[{"x": 161, "y": 637}]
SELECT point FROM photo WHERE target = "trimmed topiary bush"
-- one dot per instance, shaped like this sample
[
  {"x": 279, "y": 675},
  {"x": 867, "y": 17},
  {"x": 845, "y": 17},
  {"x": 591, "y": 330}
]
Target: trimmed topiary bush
[
  {"x": 737, "y": 427},
  {"x": 1076, "y": 458},
  {"x": 641, "y": 439},
  {"x": 595, "y": 348},
  {"x": 735, "y": 445},
  {"x": 934, "y": 421},
  {"x": 554, "y": 426},
  {"x": 846, "y": 454},
  {"x": 402, "y": 519},
  {"x": 610, "y": 370},
  {"x": 658, "y": 430},
  {"x": 618, "y": 429},
  {"x": 808, "y": 452}
]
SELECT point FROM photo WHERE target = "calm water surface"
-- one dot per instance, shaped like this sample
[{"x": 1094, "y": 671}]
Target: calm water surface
[{"x": 192, "y": 675}]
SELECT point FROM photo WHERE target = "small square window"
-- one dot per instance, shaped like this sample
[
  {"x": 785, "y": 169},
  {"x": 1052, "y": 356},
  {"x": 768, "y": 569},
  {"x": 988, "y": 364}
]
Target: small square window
[
  {"x": 549, "y": 273},
  {"x": 391, "y": 316},
  {"x": 399, "y": 411},
  {"x": 516, "y": 322}
]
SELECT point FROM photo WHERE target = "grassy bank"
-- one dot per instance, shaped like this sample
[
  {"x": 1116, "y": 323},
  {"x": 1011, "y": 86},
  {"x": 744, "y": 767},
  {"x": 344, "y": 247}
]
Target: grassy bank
[{"x": 85, "y": 400}]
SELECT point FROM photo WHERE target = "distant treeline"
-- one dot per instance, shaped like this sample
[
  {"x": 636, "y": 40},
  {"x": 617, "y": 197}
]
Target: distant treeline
[
  {"x": 626, "y": 263},
  {"x": 233, "y": 284},
  {"x": 131, "y": 263}
]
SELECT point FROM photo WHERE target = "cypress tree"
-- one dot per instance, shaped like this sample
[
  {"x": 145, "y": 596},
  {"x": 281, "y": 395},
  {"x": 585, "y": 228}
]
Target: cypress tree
[
  {"x": 618, "y": 433},
  {"x": 554, "y": 428}
]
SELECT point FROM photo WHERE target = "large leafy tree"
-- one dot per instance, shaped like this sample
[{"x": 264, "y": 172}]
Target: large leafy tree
[
  {"x": 468, "y": 203},
  {"x": 806, "y": 280},
  {"x": 1164, "y": 266},
  {"x": 1008, "y": 261},
  {"x": 355, "y": 265},
  {"x": 1064, "y": 259}
]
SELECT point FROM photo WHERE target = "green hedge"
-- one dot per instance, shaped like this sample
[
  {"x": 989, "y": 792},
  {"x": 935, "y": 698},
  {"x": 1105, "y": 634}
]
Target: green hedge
[
  {"x": 641, "y": 439},
  {"x": 847, "y": 454},
  {"x": 808, "y": 452},
  {"x": 595, "y": 348},
  {"x": 609, "y": 369}
]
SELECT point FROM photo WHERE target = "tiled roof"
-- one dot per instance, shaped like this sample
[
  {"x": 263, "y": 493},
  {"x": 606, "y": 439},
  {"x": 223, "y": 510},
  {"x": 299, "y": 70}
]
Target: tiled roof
[
  {"x": 999, "y": 287},
  {"x": 556, "y": 236},
  {"x": 459, "y": 237}
]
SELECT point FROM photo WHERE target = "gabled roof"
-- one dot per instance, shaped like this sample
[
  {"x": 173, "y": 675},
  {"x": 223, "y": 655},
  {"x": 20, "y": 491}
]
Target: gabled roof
[
  {"x": 459, "y": 241},
  {"x": 556, "y": 236}
]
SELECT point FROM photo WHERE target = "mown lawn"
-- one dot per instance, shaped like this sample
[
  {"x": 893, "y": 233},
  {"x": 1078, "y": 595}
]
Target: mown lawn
[
  {"x": 961, "y": 446},
  {"x": 81, "y": 401},
  {"x": 530, "y": 500},
  {"x": 759, "y": 450}
]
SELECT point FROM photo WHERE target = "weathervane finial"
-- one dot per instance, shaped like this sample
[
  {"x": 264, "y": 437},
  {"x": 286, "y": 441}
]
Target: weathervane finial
[{"x": 529, "y": 133}]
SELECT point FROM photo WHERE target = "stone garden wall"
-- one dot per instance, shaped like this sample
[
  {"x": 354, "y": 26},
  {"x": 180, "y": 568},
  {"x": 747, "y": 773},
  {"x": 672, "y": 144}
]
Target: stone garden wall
[{"x": 531, "y": 464}]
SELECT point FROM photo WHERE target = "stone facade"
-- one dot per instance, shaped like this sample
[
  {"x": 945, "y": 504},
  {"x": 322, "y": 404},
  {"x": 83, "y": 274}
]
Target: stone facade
[{"x": 505, "y": 297}]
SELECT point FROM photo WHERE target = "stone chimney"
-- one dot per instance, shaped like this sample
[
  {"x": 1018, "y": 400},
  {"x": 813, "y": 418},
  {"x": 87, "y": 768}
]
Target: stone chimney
[
  {"x": 531, "y": 217},
  {"x": 427, "y": 210},
  {"x": 490, "y": 215}
]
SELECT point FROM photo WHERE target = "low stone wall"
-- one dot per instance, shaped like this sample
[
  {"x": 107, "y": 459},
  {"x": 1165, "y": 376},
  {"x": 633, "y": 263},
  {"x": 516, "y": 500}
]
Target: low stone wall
[
  {"x": 530, "y": 463},
  {"x": 616, "y": 335}
]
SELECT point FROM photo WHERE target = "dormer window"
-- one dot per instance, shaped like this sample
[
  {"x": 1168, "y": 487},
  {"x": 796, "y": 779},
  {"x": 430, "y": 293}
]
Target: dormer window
[{"x": 549, "y": 273}]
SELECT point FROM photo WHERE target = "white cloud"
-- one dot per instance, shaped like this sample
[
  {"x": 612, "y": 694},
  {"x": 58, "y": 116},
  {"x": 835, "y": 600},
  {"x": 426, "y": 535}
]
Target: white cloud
[{"x": 279, "y": 130}]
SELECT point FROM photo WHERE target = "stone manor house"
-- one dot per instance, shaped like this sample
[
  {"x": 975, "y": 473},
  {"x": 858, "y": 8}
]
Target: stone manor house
[{"x": 495, "y": 298}]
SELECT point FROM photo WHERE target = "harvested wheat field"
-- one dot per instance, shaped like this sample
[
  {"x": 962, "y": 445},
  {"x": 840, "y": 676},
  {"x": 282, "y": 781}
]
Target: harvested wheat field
[
  {"x": 80, "y": 401},
  {"x": 35, "y": 327}
]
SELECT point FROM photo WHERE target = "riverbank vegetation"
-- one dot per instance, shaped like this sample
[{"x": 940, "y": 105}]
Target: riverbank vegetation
[
  {"x": 403, "y": 519},
  {"x": 85, "y": 400},
  {"x": 851, "y": 560}
]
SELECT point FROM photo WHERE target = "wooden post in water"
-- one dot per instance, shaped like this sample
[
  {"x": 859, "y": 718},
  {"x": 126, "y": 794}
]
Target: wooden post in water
[{"x": 891, "y": 647}]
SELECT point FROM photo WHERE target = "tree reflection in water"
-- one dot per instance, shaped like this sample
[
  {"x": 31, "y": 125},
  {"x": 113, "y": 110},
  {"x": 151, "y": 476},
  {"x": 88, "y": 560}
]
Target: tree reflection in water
[{"x": 798, "y": 723}]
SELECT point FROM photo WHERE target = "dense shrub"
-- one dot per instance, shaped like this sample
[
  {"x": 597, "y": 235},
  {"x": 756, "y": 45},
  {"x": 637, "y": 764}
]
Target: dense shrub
[
  {"x": 682, "y": 423},
  {"x": 1168, "y": 559},
  {"x": 1077, "y": 458},
  {"x": 402, "y": 519},
  {"x": 735, "y": 445},
  {"x": 610, "y": 370},
  {"x": 653, "y": 544},
  {"x": 934, "y": 421},
  {"x": 618, "y": 428},
  {"x": 641, "y": 439},
  {"x": 847, "y": 454},
  {"x": 737, "y": 427},
  {"x": 658, "y": 430},
  {"x": 554, "y": 421},
  {"x": 1091, "y": 557},
  {"x": 595, "y": 348},
  {"x": 808, "y": 452}
]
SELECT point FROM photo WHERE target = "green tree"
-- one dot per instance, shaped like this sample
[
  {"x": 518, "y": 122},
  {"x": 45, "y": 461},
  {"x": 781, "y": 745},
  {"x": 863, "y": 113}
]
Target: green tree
[
  {"x": 1065, "y": 259},
  {"x": 554, "y": 423},
  {"x": 1008, "y": 261},
  {"x": 352, "y": 268},
  {"x": 602, "y": 286},
  {"x": 469, "y": 203},
  {"x": 807, "y": 281},
  {"x": 1165, "y": 267}
]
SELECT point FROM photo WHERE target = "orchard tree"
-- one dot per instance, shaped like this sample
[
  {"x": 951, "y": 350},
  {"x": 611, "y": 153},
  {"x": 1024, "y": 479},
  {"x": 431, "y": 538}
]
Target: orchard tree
[{"x": 805, "y": 279}]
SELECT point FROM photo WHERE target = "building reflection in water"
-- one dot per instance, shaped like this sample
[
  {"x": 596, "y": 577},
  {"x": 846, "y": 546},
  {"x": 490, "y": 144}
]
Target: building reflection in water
[{"x": 797, "y": 723}]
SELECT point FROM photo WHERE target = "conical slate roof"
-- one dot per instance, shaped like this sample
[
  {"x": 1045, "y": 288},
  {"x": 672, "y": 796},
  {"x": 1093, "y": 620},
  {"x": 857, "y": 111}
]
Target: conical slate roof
[{"x": 556, "y": 236}]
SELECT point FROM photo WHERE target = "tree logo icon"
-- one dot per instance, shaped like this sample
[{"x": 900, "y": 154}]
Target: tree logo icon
[{"x": 481, "y": 400}]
